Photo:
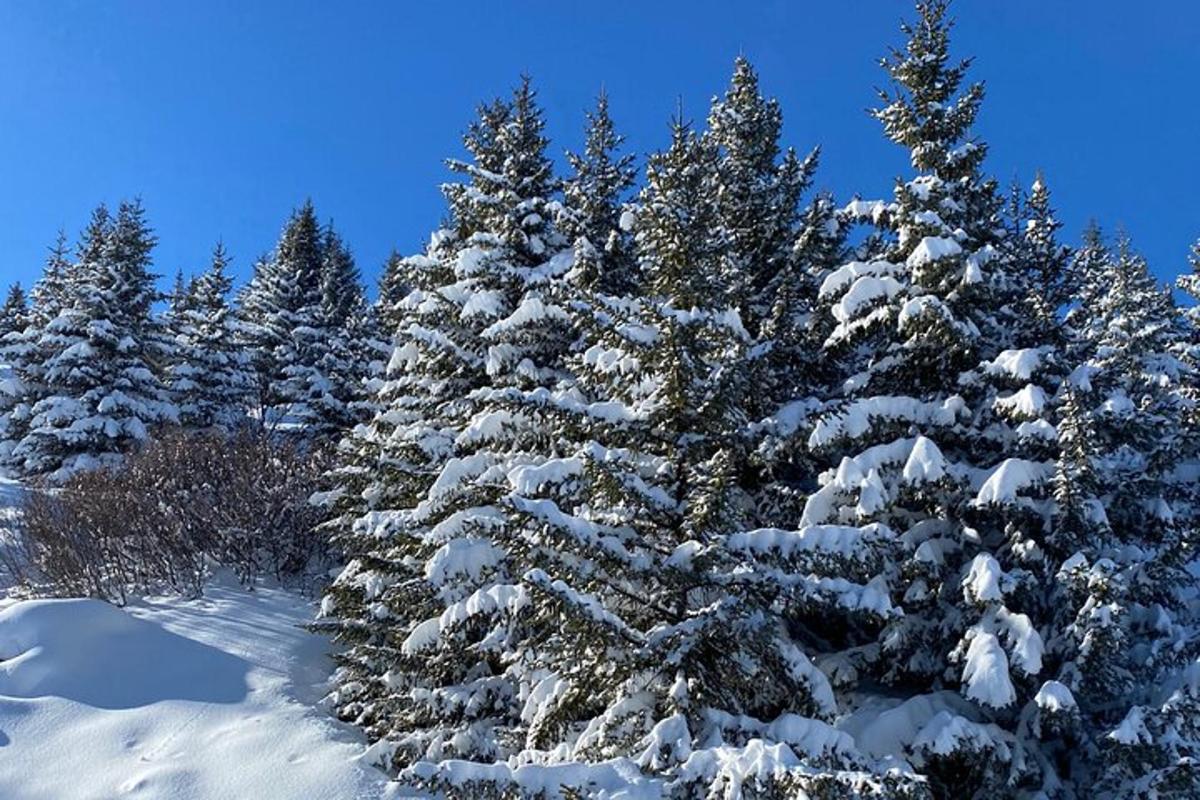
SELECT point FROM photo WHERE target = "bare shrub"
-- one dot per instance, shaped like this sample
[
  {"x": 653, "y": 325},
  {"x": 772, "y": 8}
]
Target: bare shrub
[{"x": 172, "y": 511}]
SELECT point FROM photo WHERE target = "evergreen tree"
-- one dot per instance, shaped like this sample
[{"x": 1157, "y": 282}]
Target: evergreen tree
[
  {"x": 758, "y": 189},
  {"x": 14, "y": 319},
  {"x": 933, "y": 430},
  {"x": 25, "y": 384},
  {"x": 102, "y": 386},
  {"x": 282, "y": 320},
  {"x": 14, "y": 314},
  {"x": 325, "y": 360},
  {"x": 592, "y": 196},
  {"x": 210, "y": 376},
  {"x": 479, "y": 331},
  {"x": 395, "y": 282},
  {"x": 48, "y": 295}
]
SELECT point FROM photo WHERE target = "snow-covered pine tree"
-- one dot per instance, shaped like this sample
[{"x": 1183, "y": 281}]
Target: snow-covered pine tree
[
  {"x": 14, "y": 313},
  {"x": 773, "y": 255},
  {"x": 759, "y": 186},
  {"x": 1187, "y": 477},
  {"x": 255, "y": 308},
  {"x": 1190, "y": 282},
  {"x": 294, "y": 322},
  {"x": 480, "y": 331},
  {"x": 1128, "y": 655},
  {"x": 102, "y": 385},
  {"x": 19, "y": 349},
  {"x": 210, "y": 376},
  {"x": 941, "y": 371},
  {"x": 49, "y": 293},
  {"x": 593, "y": 203},
  {"x": 395, "y": 283},
  {"x": 640, "y": 640},
  {"x": 359, "y": 348},
  {"x": 14, "y": 319},
  {"x": 300, "y": 316}
]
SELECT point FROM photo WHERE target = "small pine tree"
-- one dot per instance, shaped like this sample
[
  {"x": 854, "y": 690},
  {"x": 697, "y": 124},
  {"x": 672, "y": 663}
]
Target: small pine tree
[
  {"x": 479, "y": 329},
  {"x": 210, "y": 376},
  {"x": 395, "y": 282},
  {"x": 14, "y": 319}
]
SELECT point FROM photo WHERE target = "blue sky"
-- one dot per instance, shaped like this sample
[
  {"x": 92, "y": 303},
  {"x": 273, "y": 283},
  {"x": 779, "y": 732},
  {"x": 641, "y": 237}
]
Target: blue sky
[{"x": 225, "y": 115}]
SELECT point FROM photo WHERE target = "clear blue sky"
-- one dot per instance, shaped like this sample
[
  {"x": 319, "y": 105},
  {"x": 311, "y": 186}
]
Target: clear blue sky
[{"x": 224, "y": 115}]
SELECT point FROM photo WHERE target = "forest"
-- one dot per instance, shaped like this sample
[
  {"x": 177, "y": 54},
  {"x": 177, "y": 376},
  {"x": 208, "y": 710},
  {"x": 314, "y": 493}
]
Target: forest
[{"x": 665, "y": 476}]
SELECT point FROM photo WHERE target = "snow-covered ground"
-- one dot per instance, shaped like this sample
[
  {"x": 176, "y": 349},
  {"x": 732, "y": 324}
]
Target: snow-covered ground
[{"x": 215, "y": 698}]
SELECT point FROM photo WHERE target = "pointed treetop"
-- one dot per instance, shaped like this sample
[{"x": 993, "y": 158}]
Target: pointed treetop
[
  {"x": 923, "y": 112},
  {"x": 211, "y": 287}
]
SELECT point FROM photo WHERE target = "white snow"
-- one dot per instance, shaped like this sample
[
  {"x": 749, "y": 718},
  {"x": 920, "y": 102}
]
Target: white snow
[
  {"x": 932, "y": 248},
  {"x": 1026, "y": 404},
  {"x": 1053, "y": 696},
  {"x": 838, "y": 280},
  {"x": 1010, "y": 477},
  {"x": 1019, "y": 364},
  {"x": 985, "y": 671},
  {"x": 205, "y": 699},
  {"x": 859, "y": 417},
  {"x": 982, "y": 581},
  {"x": 862, "y": 292},
  {"x": 1132, "y": 729},
  {"x": 925, "y": 463}
]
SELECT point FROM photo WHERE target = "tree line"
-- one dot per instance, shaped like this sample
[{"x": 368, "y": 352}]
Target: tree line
[{"x": 684, "y": 476}]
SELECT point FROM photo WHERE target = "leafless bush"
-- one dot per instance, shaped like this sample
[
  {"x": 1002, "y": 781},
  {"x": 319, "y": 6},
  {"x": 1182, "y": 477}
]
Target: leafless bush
[{"x": 162, "y": 519}]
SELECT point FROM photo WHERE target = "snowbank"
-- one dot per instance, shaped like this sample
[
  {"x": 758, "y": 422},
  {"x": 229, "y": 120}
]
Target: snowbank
[{"x": 169, "y": 699}]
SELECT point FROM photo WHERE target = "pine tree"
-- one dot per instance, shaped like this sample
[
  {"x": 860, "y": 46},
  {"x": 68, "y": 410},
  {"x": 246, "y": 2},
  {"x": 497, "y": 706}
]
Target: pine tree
[
  {"x": 14, "y": 314},
  {"x": 102, "y": 382},
  {"x": 933, "y": 430},
  {"x": 210, "y": 376},
  {"x": 395, "y": 282},
  {"x": 480, "y": 330},
  {"x": 14, "y": 319},
  {"x": 759, "y": 189},
  {"x": 592, "y": 197},
  {"x": 26, "y": 381},
  {"x": 280, "y": 321},
  {"x": 49, "y": 294}
]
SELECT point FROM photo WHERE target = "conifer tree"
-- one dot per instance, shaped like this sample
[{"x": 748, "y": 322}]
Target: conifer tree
[
  {"x": 759, "y": 188},
  {"x": 49, "y": 293},
  {"x": 622, "y": 618},
  {"x": 14, "y": 319},
  {"x": 922, "y": 434},
  {"x": 290, "y": 316},
  {"x": 102, "y": 383},
  {"x": 19, "y": 349},
  {"x": 592, "y": 196},
  {"x": 210, "y": 376},
  {"x": 395, "y": 282},
  {"x": 479, "y": 329},
  {"x": 14, "y": 313}
]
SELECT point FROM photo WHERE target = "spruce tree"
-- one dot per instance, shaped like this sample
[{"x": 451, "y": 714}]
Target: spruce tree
[
  {"x": 14, "y": 319},
  {"x": 759, "y": 188},
  {"x": 102, "y": 390},
  {"x": 395, "y": 282},
  {"x": 279, "y": 321},
  {"x": 210, "y": 376},
  {"x": 1131, "y": 684},
  {"x": 923, "y": 434},
  {"x": 480, "y": 329},
  {"x": 592, "y": 198}
]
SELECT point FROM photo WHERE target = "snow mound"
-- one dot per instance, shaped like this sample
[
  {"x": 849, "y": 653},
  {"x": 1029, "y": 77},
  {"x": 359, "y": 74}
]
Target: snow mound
[
  {"x": 172, "y": 699},
  {"x": 94, "y": 653}
]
